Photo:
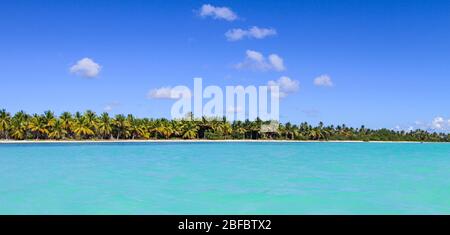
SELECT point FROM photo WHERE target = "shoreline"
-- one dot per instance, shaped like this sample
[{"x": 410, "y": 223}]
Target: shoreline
[{"x": 199, "y": 141}]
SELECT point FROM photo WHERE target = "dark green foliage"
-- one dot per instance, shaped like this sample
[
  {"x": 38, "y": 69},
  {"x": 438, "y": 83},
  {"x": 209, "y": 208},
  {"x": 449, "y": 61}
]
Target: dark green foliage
[{"x": 89, "y": 125}]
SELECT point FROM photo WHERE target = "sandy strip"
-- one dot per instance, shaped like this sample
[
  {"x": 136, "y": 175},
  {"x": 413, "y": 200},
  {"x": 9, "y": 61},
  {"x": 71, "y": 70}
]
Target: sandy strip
[{"x": 197, "y": 141}]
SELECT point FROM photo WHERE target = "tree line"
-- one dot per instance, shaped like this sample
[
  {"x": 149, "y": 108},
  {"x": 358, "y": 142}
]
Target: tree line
[{"x": 90, "y": 126}]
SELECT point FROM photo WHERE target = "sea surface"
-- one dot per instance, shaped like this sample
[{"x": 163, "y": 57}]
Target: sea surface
[{"x": 225, "y": 178}]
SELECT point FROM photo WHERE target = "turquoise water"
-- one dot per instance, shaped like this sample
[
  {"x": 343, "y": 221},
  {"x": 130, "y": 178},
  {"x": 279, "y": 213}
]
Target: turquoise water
[{"x": 225, "y": 178}]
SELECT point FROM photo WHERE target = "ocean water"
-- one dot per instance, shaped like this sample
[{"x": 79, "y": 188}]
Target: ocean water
[{"x": 225, "y": 178}]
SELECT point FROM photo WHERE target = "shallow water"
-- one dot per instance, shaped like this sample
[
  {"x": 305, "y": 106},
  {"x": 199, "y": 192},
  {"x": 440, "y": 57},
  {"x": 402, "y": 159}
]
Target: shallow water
[{"x": 225, "y": 178}]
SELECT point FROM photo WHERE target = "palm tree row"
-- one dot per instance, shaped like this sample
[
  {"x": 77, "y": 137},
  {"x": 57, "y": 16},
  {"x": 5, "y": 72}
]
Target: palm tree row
[{"x": 89, "y": 125}]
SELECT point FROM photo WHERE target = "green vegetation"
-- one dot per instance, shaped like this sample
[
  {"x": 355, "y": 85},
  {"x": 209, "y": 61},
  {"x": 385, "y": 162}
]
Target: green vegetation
[{"x": 90, "y": 126}]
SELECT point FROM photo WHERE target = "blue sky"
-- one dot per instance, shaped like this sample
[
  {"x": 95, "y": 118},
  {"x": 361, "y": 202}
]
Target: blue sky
[{"x": 388, "y": 61}]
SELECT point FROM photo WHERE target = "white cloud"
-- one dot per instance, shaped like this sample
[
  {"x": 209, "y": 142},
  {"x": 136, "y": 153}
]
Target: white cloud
[
  {"x": 256, "y": 61},
  {"x": 439, "y": 123},
  {"x": 323, "y": 80},
  {"x": 86, "y": 67},
  {"x": 253, "y": 32},
  {"x": 276, "y": 62},
  {"x": 236, "y": 34},
  {"x": 224, "y": 13},
  {"x": 161, "y": 93},
  {"x": 285, "y": 86},
  {"x": 255, "y": 56},
  {"x": 168, "y": 93},
  {"x": 260, "y": 33}
]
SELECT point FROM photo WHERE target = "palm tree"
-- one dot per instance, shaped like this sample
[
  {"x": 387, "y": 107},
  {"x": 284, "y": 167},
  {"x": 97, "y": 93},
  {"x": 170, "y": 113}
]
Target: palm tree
[
  {"x": 104, "y": 126},
  {"x": 89, "y": 126},
  {"x": 240, "y": 131},
  {"x": 135, "y": 128},
  {"x": 290, "y": 131},
  {"x": 18, "y": 129},
  {"x": 204, "y": 125},
  {"x": 150, "y": 128},
  {"x": 49, "y": 119},
  {"x": 83, "y": 128},
  {"x": 255, "y": 129},
  {"x": 38, "y": 126},
  {"x": 91, "y": 119},
  {"x": 227, "y": 130},
  {"x": 141, "y": 131},
  {"x": 177, "y": 127},
  {"x": 190, "y": 130},
  {"x": 122, "y": 126},
  {"x": 19, "y": 125},
  {"x": 66, "y": 122},
  {"x": 58, "y": 131},
  {"x": 165, "y": 131},
  {"x": 315, "y": 134},
  {"x": 5, "y": 122}
]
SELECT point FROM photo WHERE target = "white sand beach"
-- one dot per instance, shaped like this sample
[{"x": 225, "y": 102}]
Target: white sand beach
[{"x": 198, "y": 141}]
